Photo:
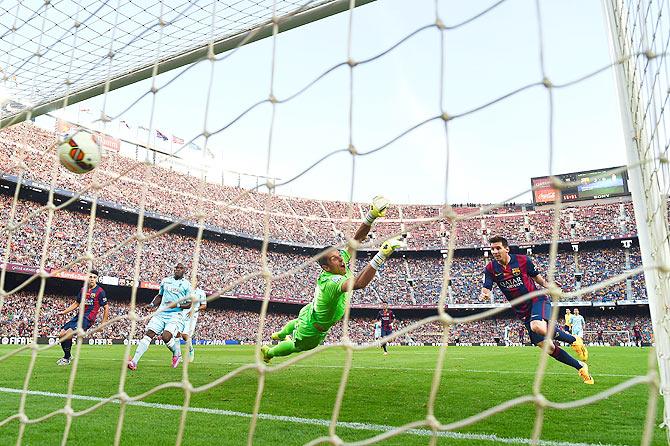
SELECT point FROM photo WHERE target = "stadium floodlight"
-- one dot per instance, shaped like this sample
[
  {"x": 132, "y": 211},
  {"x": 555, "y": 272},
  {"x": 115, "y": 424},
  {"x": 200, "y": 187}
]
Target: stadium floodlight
[
  {"x": 639, "y": 42},
  {"x": 61, "y": 52}
]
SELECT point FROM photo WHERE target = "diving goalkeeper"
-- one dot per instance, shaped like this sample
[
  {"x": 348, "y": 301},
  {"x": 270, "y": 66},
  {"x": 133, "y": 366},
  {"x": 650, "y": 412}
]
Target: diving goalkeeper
[{"x": 331, "y": 293}]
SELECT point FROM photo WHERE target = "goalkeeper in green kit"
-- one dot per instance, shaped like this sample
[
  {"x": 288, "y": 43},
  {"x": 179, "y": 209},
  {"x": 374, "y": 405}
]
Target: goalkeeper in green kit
[{"x": 331, "y": 292}]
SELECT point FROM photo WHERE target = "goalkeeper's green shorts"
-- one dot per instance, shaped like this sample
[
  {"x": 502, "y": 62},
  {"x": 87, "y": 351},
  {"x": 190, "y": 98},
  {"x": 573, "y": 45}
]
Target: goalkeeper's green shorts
[{"x": 308, "y": 333}]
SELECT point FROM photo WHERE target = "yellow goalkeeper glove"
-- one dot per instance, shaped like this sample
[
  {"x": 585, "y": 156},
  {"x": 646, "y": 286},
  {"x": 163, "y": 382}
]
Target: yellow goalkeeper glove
[
  {"x": 385, "y": 251},
  {"x": 377, "y": 209}
]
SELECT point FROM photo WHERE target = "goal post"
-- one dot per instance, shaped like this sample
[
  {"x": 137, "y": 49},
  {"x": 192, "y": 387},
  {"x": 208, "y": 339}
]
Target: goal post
[{"x": 642, "y": 84}]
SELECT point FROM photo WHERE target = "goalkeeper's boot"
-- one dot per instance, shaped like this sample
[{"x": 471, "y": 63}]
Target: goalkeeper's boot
[
  {"x": 63, "y": 361},
  {"x": 579, "y": 348},
  {"x": 276, "y": 336},
  {"x": 175, "y": 361},
  {"x": 584, "y": 374},
  {"x": 131, "y": 364},
  {"x": 191, "y": 353},
  {"x": 266, "y": 355}
]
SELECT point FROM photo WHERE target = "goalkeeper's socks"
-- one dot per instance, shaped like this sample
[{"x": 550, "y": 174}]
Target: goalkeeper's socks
[
  {"x": 563, "y": 336},
  {"x": 561, "y": 355},
  {"x": 173, "y": 346},
  {"x": 66, "y": 345},
  {"x": 284, "y": 348},
  {"x": 141, "y": 348}
]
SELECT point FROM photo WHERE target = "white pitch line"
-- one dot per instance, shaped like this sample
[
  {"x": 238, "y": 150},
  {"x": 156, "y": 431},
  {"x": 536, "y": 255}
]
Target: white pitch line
[
  {"x": 408, "y": 369},
  {"x": 313, "y": 421}
]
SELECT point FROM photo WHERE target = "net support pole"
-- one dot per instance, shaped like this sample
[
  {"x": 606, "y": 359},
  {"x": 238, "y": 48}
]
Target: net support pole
[{"x": 648, "y": 202}]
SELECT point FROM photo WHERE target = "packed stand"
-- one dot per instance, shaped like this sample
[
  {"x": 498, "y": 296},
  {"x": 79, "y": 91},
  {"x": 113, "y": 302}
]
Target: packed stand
[
  {"x": 404, "y": 280},
  {"x": 17, "y": 318},
  {"x": 28, "y": 150}
]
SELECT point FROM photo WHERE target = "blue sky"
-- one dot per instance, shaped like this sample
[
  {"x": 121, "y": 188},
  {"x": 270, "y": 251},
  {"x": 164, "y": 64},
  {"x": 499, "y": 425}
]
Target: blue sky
[{"x": 492, "y": 153}]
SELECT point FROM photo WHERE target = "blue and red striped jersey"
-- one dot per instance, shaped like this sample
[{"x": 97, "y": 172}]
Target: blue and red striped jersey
[
  {"x": 387, "y": 318},
  {"x": 514, "y": 280},
  {"x": 95, "y": 299}
]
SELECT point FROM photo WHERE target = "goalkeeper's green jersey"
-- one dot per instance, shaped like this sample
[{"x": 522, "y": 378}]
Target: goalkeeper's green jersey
[{"x": 329, "y": 301}]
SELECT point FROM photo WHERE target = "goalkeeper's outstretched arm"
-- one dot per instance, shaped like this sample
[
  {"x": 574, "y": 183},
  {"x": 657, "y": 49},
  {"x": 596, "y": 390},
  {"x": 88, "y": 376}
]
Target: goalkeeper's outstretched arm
[
  {"x": 365, "y": 276},
  {"x": 377, "y": 209}
]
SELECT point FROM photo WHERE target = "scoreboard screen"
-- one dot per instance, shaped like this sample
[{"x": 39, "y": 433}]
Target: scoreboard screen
[{"x": 587, "y": 185}]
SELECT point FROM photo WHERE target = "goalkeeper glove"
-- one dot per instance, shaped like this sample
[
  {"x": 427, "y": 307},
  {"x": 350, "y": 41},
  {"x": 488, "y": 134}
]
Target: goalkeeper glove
[
  {"x": 385, "y": 252},
  {"x": 377, "y": 209}
]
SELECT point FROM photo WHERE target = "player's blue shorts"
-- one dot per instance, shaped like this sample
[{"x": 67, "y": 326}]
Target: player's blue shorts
[
  {"x": 72, "y": 323},
  {"x": 172, "y": 322},
  {"x": 540, "y": 311},
  {"x": 386, "y": 333}
]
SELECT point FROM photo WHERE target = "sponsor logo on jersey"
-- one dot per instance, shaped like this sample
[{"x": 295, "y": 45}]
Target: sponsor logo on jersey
[{"x": 514, "y": 282}]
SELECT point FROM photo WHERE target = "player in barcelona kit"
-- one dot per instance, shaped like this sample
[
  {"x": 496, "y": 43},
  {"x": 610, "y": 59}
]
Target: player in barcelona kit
[
  {"x": 637, "y": 334},
  {"x": 387, "y": 318},
  {"x": 174, "y": 293},
  {"x": 333, "y": 288},
  {"x": 516, "y": 276},
  {"x": 94, "y": 301}
]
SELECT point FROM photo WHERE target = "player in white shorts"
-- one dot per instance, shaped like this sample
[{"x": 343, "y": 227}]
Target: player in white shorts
[
  {"x": 577, "y": 323},
  {"x": 199, "y": 303},
  {"x": 173, "y": 293},
  {"x": 378, "y": 330}
]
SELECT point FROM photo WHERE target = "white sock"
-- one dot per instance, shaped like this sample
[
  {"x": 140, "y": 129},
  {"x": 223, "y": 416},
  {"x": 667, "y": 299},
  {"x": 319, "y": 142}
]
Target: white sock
[
  {"x": 141, "y": 348},
  {"x": 174, "y": 346}
]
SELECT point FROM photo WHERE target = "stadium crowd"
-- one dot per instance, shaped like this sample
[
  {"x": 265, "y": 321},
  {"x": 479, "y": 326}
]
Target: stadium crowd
[
  {"x": 17, "y": 318},
  {"x": 404, "y": 280},
  {"x": 28, "y": 150}
]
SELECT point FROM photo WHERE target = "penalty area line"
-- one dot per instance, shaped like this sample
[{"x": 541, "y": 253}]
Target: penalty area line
[{"x": 312, "y": 421}]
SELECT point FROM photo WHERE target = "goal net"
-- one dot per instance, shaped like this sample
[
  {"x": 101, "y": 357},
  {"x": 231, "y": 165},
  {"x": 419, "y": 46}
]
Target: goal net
[{"x": 122, "y": 57}]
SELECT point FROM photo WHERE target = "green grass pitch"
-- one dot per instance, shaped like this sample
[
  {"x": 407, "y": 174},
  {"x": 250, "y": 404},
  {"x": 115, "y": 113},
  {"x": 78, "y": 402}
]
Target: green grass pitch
[{"x": 382, "y": 391}]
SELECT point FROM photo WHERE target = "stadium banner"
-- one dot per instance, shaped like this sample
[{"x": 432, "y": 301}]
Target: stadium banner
[
  {"x": 50, "y": 340},
  {"x": 633, "y": 302},
  {"x": 581, "y": 303},
  {"x": 590, "y": 185},
  {"x": 109, "y": 280},
  {"x": 18, "y": 268},
  {"x": 150, "y": 285},
  {"x": 607, "y": 303},
  {"x": 72, "y": 275}
]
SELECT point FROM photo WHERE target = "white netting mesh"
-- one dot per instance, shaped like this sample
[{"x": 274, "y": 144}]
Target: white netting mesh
[
  {"x": 53, "y": 49},
  {"x": 203, "y": 24}
]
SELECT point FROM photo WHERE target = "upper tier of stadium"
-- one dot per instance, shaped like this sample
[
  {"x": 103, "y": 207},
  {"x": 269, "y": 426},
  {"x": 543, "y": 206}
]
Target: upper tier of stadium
[
  {"x": 28, "y": 150},
  {"x": 412, "y": 279}
]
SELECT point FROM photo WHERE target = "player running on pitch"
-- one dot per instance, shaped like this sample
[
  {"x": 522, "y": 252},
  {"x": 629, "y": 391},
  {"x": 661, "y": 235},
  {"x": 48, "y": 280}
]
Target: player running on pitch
[
  {"x": 387, "y": 318},
  {"x": 332, "y": 290},
  {"x": 516, "y": 276},
  {"x": 94, "y": 301},
  {"x": 577, "y": 323},
  {"x": 169, "y": 321},
  {"x": 191, "y": 319}
]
